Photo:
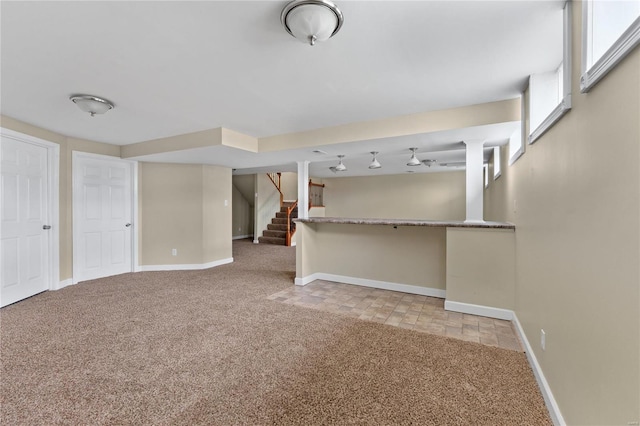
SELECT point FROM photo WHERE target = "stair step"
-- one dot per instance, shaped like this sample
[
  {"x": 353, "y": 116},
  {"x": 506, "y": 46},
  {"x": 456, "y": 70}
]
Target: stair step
[
  {"x": 277, "y": 227},
  {"x": 283, "y": 209},
  {"x": 272, "y": 240},
  {"x": 277, "y": 220},
  {"x": 274, "y": 233},
  {"x": 283, "y": 215}
]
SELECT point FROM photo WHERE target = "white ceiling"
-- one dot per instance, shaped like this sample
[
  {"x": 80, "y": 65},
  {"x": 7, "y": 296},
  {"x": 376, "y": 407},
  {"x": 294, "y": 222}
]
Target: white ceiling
[{"x": 179, "y": 67}]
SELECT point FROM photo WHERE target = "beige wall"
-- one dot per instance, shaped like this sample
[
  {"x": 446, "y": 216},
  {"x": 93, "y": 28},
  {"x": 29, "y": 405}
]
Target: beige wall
[
  {"x": 481, "y": 267},
  {"x": 434, "y": 196},
  {"x": 171, "y": 206},
  {"x": 363, "y": 251},
  {"x": 289, "y": 185},
  {"x": 67, "y": 146},
  {"x": 183, "y": 207},
  {"x": 246, "y": 184},
  {"x": 242, "y": 214},
  {"x": 577, "y": 216},
  {"x": 216, "y": 213},
  {"x": 317, "y": 212}
]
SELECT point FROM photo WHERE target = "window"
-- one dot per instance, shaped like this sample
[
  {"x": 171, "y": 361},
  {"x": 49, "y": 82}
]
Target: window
[
  {"x": 550, "y": 92},
  {"x": 496, "y": 163},
  {"x": 610, "y": 30}
]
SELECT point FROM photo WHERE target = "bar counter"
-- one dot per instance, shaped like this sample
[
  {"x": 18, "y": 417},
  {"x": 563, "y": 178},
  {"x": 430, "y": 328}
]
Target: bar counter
[{"x": 471, "y": 265}]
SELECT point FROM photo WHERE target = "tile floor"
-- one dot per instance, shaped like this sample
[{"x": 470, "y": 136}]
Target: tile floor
[{"x": 420, "y": 313}]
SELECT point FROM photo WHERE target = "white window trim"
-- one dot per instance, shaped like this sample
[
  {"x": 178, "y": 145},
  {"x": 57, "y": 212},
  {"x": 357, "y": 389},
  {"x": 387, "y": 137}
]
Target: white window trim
[
  {"x": 618, "y": 51},
  {"x": 497, "y": 171},
  {"x": 565, "y": 104},
  {"x": 485, "y": 173},
  {"x": 513, "y": 157}
]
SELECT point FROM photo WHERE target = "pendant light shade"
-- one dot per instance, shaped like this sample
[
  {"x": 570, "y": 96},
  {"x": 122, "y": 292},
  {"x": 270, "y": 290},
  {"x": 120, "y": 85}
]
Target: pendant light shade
[
  {"x": 413, "y": 161},
  {"x": 375, "y": 164},
  {"x": 311, "y": 20},
  {"x": 91, "y": 104},
  {"x": 340, "y": 167}
]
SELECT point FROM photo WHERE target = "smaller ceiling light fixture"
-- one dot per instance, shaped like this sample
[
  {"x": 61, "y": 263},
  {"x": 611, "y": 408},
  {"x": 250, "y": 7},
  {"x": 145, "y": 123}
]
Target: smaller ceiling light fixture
[
  {"x": 429, "y": 162},
  {"x": 413, "y": 161},
  {"x": 92, "y": 104},
  {"x": 311, "y": 20},
  {"x": 340, "y": 167},
  {"x": 375, "y": 164}
]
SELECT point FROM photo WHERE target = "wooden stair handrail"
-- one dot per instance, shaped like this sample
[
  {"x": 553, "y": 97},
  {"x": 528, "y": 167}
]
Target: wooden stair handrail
[
  {"x": 290, "y": 231},
  {"x": 275, "y": 178}
]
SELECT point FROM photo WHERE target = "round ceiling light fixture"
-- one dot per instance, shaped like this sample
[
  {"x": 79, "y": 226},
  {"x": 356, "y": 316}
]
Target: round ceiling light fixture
[
  {"x": 311, "y": 20},
  {"x": 92, "y": 104}
]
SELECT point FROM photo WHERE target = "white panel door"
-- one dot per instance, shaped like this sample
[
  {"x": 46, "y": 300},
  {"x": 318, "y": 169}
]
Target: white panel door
[
  {"x": 102, "y": 217},
  {"x": 24, "y": 247}
]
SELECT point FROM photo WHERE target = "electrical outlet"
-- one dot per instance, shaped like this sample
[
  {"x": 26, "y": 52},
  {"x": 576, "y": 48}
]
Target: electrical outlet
[
  {"x": 226, "y": 203},
  {"x": 174, "y": 252},
  {"x": 543, "y": 339}
]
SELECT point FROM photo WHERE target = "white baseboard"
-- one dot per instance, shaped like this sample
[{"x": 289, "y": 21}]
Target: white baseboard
[
  {"x": 293, "y": 244},
  {"x": 256, "y": 242},
  {"x": 384, "y": 285},
  {"x": 62, "y": 284},
  {"x": 549, "y": 400},
  {"x": 483, "y": 311},
  {"x": 242, "y": 237},
  {"x": 186, "y": 267}
]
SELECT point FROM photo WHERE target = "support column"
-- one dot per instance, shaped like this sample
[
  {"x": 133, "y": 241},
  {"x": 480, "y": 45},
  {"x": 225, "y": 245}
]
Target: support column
[
  {"x": 474, "y": 181},
  {"x": 303, "y": 189}
]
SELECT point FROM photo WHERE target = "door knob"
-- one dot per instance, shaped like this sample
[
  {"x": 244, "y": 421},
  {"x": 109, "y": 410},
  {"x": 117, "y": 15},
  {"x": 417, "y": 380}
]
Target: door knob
[
  {"x": 127, "y": 225},
  {"x": 45, "y": 227}
]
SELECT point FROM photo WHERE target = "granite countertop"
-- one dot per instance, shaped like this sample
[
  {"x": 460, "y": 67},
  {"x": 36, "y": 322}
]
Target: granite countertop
[{"x": 407, "y": 222}]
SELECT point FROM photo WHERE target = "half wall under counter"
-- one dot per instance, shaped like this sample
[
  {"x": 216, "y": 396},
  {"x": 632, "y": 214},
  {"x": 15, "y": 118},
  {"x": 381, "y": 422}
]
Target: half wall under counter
[{"x": 471, "y": 265}]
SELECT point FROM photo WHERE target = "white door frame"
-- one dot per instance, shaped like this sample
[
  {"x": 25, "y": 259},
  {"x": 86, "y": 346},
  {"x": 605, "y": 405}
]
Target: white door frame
[
  {"x": 53, "y": 199},
  {"x": 135, "y": 267}
]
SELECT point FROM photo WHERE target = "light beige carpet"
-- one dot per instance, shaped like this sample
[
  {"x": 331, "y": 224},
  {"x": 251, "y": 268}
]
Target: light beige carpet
[{"x": 207, "y": 347}]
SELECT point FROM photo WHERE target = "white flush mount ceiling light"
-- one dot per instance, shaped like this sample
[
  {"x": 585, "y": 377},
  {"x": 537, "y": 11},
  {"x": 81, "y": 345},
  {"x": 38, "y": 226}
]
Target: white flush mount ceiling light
[
  {"x": 429, "y": 162},
  {"x": 92, "y": 104},
  {"x": 413, "y": 161},
  {"x": 375, "y": 164},
  {"x": 311, "y": 20}
]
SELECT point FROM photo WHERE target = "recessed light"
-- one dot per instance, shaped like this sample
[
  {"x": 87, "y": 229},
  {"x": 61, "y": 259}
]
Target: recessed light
[
  {"x": 319, "y": 151},
  {"x": 410, "y": 171}
]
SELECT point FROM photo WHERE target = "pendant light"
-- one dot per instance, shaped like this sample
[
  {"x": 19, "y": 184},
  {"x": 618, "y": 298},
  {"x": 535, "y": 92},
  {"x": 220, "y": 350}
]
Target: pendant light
[
  {"x": 340, "y": 167},
  {"x": 374, "y": 164},
  {"x": 413, "y": 161}
]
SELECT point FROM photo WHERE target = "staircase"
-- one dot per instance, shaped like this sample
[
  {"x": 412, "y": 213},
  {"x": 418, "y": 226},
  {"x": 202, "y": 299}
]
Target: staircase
[{"x": 276, "y": 232}]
